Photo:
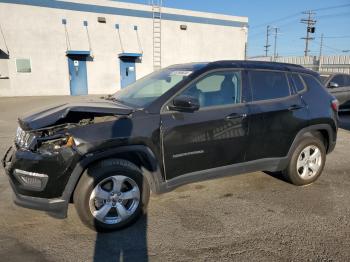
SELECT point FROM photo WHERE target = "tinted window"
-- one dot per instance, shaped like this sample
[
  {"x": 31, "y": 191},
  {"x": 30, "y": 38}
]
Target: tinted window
[
  {"x": 312, "y": 82},
  {"x": 296, "y": 82},
  {"x": 339, "y": 79},
  {"x": 219, "y": 88},
  {"x": 347, "y": 80},
  {"x": 268, "y": 85}
]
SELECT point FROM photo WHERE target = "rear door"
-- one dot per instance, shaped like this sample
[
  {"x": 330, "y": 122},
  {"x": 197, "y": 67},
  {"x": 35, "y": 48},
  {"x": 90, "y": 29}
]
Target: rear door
[
  {"x": 277, "y": 113},
  {"x": 213, "y": 136}
]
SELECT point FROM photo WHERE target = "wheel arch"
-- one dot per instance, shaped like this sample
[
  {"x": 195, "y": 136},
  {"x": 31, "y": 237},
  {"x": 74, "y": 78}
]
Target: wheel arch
[
  {"x": 140, "y": 155},
  {"x": 324, "y": 132}
]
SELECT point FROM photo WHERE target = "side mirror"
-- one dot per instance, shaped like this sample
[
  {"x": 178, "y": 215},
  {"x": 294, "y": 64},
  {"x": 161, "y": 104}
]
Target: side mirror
[
  {"x": 333, "y": 85},
  {"x": 185, "y": 104}
]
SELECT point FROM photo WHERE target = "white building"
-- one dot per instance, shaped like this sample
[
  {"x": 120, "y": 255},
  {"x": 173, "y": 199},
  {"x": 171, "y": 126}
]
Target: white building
[{"x": 51, "y": 47}]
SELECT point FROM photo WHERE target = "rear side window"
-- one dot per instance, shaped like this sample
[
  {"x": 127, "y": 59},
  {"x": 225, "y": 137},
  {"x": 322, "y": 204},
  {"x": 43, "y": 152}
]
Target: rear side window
[
  {"x": 268, "y": 85},
  {"x": 312, "y": 82},
  {"x": 296, "y": 82},
  {"x": 339, "y": 79},
  {"x": 347, "y": 80}
]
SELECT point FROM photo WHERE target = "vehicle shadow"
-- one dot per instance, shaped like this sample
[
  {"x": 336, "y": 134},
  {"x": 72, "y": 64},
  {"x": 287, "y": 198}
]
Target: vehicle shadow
[
  {"x": 129, "y": 244},
  {"x": 277, "y": 175}
]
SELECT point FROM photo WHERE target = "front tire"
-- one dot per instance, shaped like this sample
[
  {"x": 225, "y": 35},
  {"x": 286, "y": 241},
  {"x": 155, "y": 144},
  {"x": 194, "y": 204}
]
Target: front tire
[
  {"x": 111, "y": 195},
  {"x": 307, "y": 162}
]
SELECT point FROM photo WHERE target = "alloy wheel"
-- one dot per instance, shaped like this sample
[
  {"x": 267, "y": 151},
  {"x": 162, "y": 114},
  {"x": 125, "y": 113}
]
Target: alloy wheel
[
  {"x": 309, "y": 162},
  {"x": 114, "y": 199}
]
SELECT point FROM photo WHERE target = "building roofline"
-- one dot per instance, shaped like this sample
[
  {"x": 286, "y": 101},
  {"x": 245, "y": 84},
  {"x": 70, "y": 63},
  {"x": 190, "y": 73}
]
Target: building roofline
[{"x": 128, "y": 10}]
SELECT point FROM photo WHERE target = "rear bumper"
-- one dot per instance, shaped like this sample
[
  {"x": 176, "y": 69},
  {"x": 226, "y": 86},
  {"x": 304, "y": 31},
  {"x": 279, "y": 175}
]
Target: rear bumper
[{"x": 55, "y": 207}]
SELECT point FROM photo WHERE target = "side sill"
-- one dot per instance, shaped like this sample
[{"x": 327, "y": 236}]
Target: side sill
[{"x": 268, "y": 164}]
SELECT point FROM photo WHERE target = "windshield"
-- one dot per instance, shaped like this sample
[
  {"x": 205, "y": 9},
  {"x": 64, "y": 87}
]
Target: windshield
[{"x": 146, "y": 90}]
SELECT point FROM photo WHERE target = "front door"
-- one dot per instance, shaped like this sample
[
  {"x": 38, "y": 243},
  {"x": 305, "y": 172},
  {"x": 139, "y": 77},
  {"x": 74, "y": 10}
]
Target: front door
[
  {"x": 212, "y": 137},
  {"x": 127, "y": 72},
  {"x": 77, "y": 75}
]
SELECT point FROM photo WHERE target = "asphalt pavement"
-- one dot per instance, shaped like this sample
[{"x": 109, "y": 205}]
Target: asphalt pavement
[{"x": 250, "y": 217}]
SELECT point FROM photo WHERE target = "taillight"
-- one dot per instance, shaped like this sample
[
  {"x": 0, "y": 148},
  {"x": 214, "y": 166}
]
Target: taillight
[{"x": 335, "y": 105}]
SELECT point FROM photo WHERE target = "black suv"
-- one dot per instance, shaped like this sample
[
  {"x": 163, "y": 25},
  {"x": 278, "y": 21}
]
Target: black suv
[{"x": 182, "y": 124}]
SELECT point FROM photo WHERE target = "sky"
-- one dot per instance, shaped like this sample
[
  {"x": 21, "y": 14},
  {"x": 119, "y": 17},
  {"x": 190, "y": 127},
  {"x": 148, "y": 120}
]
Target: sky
[{"x": 333, "y": 20}]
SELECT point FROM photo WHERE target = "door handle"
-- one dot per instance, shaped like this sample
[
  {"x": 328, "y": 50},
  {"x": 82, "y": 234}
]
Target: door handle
[
  {"x": 236, "y": 116},
  {"x": 295, "y": 107}
]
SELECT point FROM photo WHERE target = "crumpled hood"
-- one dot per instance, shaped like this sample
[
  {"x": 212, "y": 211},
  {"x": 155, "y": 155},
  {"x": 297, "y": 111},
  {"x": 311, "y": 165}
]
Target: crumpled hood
[{"x": 57, "y": 114}]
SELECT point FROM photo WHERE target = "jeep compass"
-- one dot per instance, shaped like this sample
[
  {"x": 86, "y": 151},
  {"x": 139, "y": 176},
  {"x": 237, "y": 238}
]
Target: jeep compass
[{"x": 179, "y": 125}]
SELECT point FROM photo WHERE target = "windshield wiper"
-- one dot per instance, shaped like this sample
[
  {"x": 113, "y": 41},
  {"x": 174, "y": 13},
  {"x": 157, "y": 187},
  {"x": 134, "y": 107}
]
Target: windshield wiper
[
  {"x": 112, "y": 98},
  {"x": 107, "y": 97}
]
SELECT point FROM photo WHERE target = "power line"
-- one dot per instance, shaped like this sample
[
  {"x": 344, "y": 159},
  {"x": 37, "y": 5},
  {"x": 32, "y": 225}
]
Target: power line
[
  {"x": 335, "y": 37},
  {"x": 331, "y": 7},
  {"x": 295, "y": 14},
  {"x": 275, "y": 21},
  {"x": 333, "y": 15},
  {"x": 329, "y": 47}
]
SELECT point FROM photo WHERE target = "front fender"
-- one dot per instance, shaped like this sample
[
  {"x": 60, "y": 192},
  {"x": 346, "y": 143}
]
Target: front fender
[{"x": 150, "y": 169}]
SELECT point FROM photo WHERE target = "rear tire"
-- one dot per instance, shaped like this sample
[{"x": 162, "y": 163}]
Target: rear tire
[
  {"x": 307, "y": 161},
  {"x": 111, "y": 195}
]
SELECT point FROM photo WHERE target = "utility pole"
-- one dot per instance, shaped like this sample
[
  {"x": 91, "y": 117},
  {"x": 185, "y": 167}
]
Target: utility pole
[
  {"x": 310, "y": 22},
  {"x": 267, "y": 41},
  {"x": 276, "y": 29},
  {"x": 320, "y": 55}
]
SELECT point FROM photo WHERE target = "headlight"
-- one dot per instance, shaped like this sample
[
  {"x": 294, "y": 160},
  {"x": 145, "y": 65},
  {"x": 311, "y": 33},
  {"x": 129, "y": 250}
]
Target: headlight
[{"x": 24, "y": 139}]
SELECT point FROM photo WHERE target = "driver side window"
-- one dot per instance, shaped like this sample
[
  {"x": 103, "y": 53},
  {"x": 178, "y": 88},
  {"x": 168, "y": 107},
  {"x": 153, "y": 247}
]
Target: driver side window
[{"x": 218, "y": 88}]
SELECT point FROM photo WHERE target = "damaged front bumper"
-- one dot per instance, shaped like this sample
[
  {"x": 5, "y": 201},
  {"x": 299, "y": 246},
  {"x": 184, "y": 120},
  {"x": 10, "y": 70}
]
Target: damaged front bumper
[{"x": 39, "y": 181}]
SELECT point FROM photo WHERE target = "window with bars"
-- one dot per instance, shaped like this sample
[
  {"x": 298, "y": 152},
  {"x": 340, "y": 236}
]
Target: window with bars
[{"x": 23, "y": 65}]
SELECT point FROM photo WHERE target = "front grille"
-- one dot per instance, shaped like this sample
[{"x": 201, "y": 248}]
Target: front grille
[{"x": 24, "y": 139}]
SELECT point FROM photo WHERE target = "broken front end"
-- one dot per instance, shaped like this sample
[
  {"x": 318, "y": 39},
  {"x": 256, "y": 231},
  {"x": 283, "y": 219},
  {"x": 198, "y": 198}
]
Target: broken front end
[{"x": 42, "y": 159}]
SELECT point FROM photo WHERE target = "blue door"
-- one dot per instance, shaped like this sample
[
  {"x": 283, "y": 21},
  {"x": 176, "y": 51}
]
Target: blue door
[
  {"x": 127, "y": 73},
  {"x": 77, "y": 76}
]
